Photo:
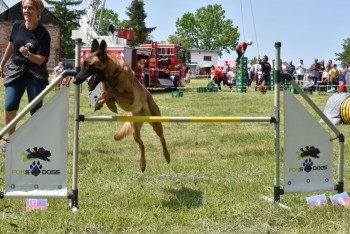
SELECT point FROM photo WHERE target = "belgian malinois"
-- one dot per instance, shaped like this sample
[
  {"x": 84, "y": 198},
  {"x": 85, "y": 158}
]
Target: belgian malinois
[{"x": 120, "y": 86}]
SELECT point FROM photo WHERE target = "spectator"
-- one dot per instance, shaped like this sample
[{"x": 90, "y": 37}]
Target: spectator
[
  {"x": 322, "y": 68},
  {"x": 231, "y": 78},
  {"x": 323, "y": 84},
  {"x": 314, "y": 70},
  {"x": 225, "y": 69},
  {"x": 241, "y": 48},
  {"x": 334, "y": 76},
  {"x": 257, "y": 72},
  {"x": 251, "y": 72},
  {"x": 347, "y": 79},
  {"x": 56, "y": 72},
  {"x": 343, "y": 70},
  {"x": 300, "y": 70},
  {"x": 265, "y": 76},
  {"x": 291, "y": 69},
  {"x": 29, "y": 49},
  {"x": 329, "y": 64},
  {"x": 325, "y": 76},
  {"x": 309, "y": 84}
]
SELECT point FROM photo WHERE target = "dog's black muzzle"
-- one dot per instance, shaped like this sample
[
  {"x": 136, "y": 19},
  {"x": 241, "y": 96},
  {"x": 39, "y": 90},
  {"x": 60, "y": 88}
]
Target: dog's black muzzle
[
  {"x": 95, "y": 77},
  {"x": 82, "y": 76}
]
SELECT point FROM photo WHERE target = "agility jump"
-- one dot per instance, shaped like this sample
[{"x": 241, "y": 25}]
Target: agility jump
[{"x": 275, "y": 119}]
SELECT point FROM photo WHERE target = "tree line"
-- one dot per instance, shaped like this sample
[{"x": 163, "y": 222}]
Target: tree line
[{"x": 206, "y": 29}]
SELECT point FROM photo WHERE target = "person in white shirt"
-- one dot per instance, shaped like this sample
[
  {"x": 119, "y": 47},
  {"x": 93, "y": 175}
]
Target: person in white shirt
[
  {"x": 257, "y": 69},
  {"x": 309, "y": 85},
  {"x": 343, "y": 70},
  {"x": 231, "y": 78},
  {"x": 301, "y": 72},
  {"x": 251, "y": 73}
]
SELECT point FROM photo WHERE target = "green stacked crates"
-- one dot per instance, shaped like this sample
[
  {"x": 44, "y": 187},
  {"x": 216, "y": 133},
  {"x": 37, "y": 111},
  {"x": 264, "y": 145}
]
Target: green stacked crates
[
  {"x": 177, "y": 93},
  {"x": 201, "y": 89},
  {"x": 242, "y": 75}
]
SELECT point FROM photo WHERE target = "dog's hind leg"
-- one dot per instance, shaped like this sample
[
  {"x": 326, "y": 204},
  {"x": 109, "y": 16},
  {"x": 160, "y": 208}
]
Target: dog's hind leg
[
  {"x": 135, "y": 129},
  {"x": 137, "y": 138},
  {"x": 158, "y": 128}
]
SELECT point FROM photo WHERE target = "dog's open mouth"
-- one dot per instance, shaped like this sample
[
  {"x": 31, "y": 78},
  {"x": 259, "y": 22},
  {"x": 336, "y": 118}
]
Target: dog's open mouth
[
  {"x": 91, "y": 83},
  {"x": 90, "y": 80}
]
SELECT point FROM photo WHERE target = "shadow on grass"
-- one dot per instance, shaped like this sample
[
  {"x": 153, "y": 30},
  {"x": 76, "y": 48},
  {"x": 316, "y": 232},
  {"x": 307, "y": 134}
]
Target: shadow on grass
[{"x": 184, "y": 197}]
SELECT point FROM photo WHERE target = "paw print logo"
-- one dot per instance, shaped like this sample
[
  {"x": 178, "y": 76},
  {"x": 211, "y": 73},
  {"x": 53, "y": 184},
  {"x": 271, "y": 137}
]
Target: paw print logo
[
  {"x": 35, "y": 168},
  {"x": 308, "y": 165}
]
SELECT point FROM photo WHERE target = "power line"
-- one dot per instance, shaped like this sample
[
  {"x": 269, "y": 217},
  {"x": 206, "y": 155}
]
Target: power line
[
  {"x": 256, "y": 36},
  {"x": 242, "y": 20}
]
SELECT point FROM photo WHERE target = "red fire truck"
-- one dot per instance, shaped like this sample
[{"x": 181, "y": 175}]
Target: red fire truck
[
  {"x": 165, "y": 66},
  {"x": 155, "y": 65}
]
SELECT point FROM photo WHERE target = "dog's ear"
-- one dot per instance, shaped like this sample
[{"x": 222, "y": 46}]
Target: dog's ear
[
  {"x": 103, "y": 47},
  {"x": 102, "y": 50},
  {"x": 94, "y": 45}
]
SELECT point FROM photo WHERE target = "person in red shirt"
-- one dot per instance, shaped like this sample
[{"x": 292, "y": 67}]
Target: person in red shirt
[
  {"x": 216, "y": 75},
  {"x": 241, "y": 48}
]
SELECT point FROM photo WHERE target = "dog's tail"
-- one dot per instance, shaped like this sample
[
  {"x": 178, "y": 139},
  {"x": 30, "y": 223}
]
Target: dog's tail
[{"x": 123, "y": 132}]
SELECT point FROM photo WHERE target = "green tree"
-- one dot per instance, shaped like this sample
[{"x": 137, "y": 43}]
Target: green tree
[
  {"x": 70, "y": 19},
  {"x": 137, "y": 16},
  {"x": 345, "y": 55},
  {"x": 207, "y": 29},
  {"x": 109, "y": 17},
  {"x": 174, "y": 39}
]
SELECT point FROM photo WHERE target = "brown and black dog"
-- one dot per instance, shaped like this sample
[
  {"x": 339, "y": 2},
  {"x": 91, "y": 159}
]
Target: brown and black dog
[{"x": 120, "y": 86}]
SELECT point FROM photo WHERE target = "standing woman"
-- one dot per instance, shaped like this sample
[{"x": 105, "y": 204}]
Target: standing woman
[{"x": 29, "y": 49}]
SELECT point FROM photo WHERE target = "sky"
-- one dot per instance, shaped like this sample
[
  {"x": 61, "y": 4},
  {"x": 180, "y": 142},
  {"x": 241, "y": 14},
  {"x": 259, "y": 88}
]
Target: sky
[{"x": 307, "y": 29}]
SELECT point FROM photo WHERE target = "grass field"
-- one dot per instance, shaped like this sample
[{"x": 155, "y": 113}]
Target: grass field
[{"x": 212, "y": 185}]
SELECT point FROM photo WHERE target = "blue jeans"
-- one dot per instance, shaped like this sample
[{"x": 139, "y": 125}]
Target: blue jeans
[
  {"x": 15, "y": 90},
  {"x": 300, "y": 79}
]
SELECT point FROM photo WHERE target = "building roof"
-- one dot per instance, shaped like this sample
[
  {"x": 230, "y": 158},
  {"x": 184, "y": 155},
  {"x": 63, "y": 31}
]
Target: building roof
[
  {"x": 3, "y": 6},
  {"x": 231, "y": 63},
  {"x": 202, "y": 50}
]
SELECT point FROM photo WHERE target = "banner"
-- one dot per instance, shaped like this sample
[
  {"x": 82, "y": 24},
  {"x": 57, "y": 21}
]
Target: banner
[
  {"x": 308, "y": 150},
  {"x": 36, "y": 156}
]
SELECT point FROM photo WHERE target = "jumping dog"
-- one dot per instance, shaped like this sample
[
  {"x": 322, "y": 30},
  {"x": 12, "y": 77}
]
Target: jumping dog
[{"x": 120, "y": 86}]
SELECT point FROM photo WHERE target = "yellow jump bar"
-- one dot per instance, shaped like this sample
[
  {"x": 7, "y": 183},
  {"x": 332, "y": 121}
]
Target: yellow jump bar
[{"x": 175, "y": 119}]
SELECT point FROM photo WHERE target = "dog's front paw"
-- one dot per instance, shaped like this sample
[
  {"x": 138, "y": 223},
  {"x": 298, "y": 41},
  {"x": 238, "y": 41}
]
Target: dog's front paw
[{"x": 98, "y": 106}]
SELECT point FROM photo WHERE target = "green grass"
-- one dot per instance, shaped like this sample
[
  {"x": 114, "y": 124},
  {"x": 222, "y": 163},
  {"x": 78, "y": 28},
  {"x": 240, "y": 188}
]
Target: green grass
[{"x": 212, "y": 184}]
